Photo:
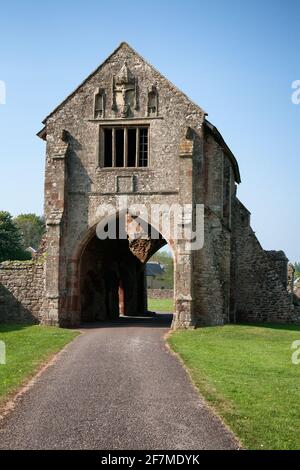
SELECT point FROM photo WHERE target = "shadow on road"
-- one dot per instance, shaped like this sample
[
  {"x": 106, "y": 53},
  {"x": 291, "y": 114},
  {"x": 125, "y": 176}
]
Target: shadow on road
[{"x": 160, "y": 320}]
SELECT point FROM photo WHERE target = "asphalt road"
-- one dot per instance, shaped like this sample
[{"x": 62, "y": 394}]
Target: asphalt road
[{"x": 115, "y": 387}]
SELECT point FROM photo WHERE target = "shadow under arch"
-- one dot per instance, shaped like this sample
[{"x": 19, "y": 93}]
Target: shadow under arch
[{"x": 107, "y": 276}]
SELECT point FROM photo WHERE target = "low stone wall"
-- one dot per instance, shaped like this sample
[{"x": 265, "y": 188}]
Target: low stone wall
[
  {"x": 160, "y": 293},
  {"x": 21, "y": 291}
]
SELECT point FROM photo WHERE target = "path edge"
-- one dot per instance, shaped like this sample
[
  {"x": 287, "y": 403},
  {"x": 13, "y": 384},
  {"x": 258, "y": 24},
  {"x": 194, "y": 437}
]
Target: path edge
[
  {"x": 198, "y": 391},
  {"x": 13, "y": 399}
]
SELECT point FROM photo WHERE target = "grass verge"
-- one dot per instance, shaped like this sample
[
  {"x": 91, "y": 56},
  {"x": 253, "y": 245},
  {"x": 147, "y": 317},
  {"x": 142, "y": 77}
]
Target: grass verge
[
  {"x": 161, "y": 305},
  {"x": 27, "y": 348},
  {"x": 247, "y": 374}
]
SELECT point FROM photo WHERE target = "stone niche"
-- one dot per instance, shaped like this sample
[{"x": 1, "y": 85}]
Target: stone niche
[
  {"x": 152, "y": 108},
  {"x": 99, "y": 104}
]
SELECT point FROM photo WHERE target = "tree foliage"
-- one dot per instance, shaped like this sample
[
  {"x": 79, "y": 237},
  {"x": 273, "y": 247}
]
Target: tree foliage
[
  {"x": 297, "y": 270},
  {"x": 32, "y": 228},
  {"x": 165, "y": 258},
  {"x": 10, "y": 239}
]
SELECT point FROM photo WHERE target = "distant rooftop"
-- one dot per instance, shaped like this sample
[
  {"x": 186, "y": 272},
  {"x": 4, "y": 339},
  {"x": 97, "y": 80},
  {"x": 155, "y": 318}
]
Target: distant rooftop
[{"x": 154, "y": 268}]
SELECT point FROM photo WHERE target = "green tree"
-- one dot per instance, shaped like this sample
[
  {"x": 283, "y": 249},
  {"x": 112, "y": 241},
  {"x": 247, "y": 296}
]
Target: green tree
[
  {"x": 10, "y": 239},
  {"x": 165, "y": 258},
  {"x": 32, "y": 228}
]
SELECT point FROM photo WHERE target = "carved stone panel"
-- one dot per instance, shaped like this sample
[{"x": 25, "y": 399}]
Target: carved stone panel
[
  {"x": 124, "y": 88},
  {"x": 125, "y": 184}
]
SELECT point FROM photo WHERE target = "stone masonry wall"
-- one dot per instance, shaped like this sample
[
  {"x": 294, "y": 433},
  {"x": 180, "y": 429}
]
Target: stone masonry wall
[
  {"x": 258, "y": 292},
  {"x": 208, "y": 292},
  {"x": 279, "y": 262},
  {"x": 160, "y": 293},
  {"x": 21, "y": 291}
]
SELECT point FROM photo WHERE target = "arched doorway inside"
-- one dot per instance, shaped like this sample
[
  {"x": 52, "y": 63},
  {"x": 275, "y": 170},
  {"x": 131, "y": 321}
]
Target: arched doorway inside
[{"x": 112, "y": 274}]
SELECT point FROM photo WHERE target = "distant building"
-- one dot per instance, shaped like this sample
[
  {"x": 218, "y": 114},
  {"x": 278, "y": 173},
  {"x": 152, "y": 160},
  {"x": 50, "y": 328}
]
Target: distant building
[{"x": 153, "y": 271}]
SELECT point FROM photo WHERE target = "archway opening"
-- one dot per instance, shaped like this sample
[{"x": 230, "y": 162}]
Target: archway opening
[
  {"x": 113, "y": 279},
  {"x": 160, "y": 281}
]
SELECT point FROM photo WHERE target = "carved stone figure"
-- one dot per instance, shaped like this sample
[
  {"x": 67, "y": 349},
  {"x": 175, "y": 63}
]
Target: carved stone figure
[{"x": 124, "y": 92}]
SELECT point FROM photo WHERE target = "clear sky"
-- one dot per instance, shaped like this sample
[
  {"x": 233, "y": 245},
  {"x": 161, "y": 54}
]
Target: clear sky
[{"x": 236, "y": 59}]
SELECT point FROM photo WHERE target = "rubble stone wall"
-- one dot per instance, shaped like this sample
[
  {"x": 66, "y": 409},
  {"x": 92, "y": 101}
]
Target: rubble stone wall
[
  {"x": 160, "y": 293},
  {"x": 258, "y": 290},
  {"x": 21, "y": 291}
]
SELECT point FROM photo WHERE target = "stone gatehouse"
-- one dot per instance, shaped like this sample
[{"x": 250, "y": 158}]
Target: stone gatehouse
[{"x": 126, "y": 131}]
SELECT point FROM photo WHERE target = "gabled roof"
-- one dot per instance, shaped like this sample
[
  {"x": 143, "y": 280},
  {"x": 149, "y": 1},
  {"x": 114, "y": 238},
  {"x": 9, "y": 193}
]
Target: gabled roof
[
  {"x": 122, "y": 45},
  {"x": 154, "y": 268}
]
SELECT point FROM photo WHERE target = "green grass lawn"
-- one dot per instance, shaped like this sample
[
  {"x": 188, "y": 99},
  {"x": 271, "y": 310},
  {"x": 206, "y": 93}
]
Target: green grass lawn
[
  {"x": 160, "y": 305},
  {"x": 27, "y": 347},
  {"x": 246, "y": 373}
]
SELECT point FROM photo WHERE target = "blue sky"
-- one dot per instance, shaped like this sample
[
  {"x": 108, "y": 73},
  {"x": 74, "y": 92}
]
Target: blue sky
[{"x": 236, "y": 59}]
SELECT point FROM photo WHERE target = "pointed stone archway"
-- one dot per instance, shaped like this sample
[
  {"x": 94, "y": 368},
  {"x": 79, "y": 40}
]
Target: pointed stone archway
[{"x": 107, "y": 277}]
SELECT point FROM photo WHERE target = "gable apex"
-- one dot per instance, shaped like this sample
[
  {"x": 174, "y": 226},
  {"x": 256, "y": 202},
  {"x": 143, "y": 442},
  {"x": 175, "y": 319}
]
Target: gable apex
[{"x": 125, "y": 46}]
